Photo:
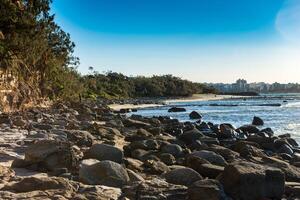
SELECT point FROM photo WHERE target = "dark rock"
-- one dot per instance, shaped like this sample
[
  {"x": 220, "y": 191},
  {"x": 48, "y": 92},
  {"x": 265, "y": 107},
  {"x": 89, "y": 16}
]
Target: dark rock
[
  {"x": 167, "y": 158},
  {"x": 135, "y": 123},
  {"x": 50, "y": 154},
  {"x": 226, "y": 131},
  {"x": 182, "y": 176},
  {"x": 156, "y": 167},
  {"x": 176, "y": 109},
  {"x": 195, "y": 115},
  {"x": 104, "y": 152},
  {"x": 29, "y": 184},
  {"x": 285, "y": 149},
  {"x": 210, "y": 156},
  {"x": 191, "y": 136},
  {"x": 173, "y": 149},
  {"x": 245, "y": 180},
  {"x": 103, "y": 173},
  {"x": 268, "y": 131},
  {"x": 249, "y": 129},
  {"x": 155, "y": 189},
  {"x": 207, "y": 189},
  {"x": 257, "y": 121},
  {"x": 80, "y": 137}
]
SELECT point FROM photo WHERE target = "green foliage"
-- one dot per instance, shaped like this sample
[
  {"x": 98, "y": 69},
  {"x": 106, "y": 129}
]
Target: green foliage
[
  {"x": 35, "y": 48},
  {"x": 113, "y": 85}
]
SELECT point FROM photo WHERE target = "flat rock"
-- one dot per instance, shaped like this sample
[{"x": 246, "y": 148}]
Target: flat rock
[
  {"x": 207, "y": 189},
  {"x": 248, "y": 181}
]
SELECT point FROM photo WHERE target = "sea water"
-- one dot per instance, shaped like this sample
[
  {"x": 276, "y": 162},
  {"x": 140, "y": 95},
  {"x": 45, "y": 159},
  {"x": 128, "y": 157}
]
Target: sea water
[{"x": 281, "y": 112}]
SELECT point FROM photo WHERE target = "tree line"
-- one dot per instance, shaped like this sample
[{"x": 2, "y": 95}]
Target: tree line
[
  {"x": 40, "y": 56},
  {"x": 114, "y": 85}
]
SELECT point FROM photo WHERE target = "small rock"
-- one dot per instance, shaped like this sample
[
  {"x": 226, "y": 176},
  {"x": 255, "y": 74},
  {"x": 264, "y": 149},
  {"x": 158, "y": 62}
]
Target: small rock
[{"x": 176, "y": 109}]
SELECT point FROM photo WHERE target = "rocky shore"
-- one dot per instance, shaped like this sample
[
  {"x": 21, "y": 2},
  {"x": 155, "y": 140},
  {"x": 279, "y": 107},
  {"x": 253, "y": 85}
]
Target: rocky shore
[{"x": 87, "y": 151}]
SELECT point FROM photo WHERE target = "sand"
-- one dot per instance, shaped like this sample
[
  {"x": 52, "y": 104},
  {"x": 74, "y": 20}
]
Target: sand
[{"x": 195, "y": 97}]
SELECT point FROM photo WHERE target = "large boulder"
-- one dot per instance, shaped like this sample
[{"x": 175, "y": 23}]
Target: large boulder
[
  {"x": 195, "y": 115},
  {"x": 50, "y": 155},
  {"x": 176, "y": 109},
  {"x": 103, "y": 173},
  {"x": 105, "y": 152},
  {"x": 210, "y": 156},
  {"x": 257, "y": 121},
  {"x": 207, "y": 189},
  {"x": 191, "y": 136},
  {"x": 173, "y": 149},
  {"x": 182, "y": 176},
  {"x": 247, "y": 181}
]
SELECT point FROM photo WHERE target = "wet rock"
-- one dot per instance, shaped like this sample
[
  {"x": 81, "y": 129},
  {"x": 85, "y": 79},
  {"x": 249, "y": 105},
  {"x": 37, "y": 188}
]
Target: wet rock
[
  {"x": 226, "y": 131},
  {"x": 210, "y": 156},
  {"x": 176, "y": 109},
  {"x": 249, "y": 129},
  {"x": 103, "y": 173},
  {"x": 285, "y": 149},
  {"x": 195, "y": 115},
  {"x": 268, "y": 131},
  {"x": 104, "y": 152},
  {"x": 245, "y": 180},
  {"x": 182, "y": 176},
  {"x": 257, "y": 121},
  {"x": 207, "y": 189}
]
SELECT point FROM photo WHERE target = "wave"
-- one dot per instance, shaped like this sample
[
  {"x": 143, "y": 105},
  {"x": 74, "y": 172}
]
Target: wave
[{"x": 292, "y": 105}]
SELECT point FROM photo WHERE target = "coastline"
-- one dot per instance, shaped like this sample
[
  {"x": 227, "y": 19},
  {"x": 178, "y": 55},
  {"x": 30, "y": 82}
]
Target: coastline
[{"x": 195, "y": 97}]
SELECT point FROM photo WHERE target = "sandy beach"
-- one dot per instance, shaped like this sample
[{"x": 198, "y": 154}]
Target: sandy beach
[{"x": 195, "y": 97}]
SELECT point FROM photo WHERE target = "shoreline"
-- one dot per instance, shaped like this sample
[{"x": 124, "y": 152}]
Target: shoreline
[
  {"x": 195, "y": 97},
  {"x": 153, "y": 151}
]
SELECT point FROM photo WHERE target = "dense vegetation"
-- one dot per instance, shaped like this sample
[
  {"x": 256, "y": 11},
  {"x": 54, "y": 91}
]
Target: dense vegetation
[
  {"x": 35, "y": 49},
  {"x": 116, "y": 85},
  {"x": 39, "y": 54}
]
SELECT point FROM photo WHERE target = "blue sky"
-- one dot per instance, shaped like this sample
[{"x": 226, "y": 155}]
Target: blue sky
[{"x": 200, "y": 40}]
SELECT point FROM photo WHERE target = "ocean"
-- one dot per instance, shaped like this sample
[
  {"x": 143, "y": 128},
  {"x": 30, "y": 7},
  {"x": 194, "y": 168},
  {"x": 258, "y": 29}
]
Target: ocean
[{"x": 281, "y": 112}]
